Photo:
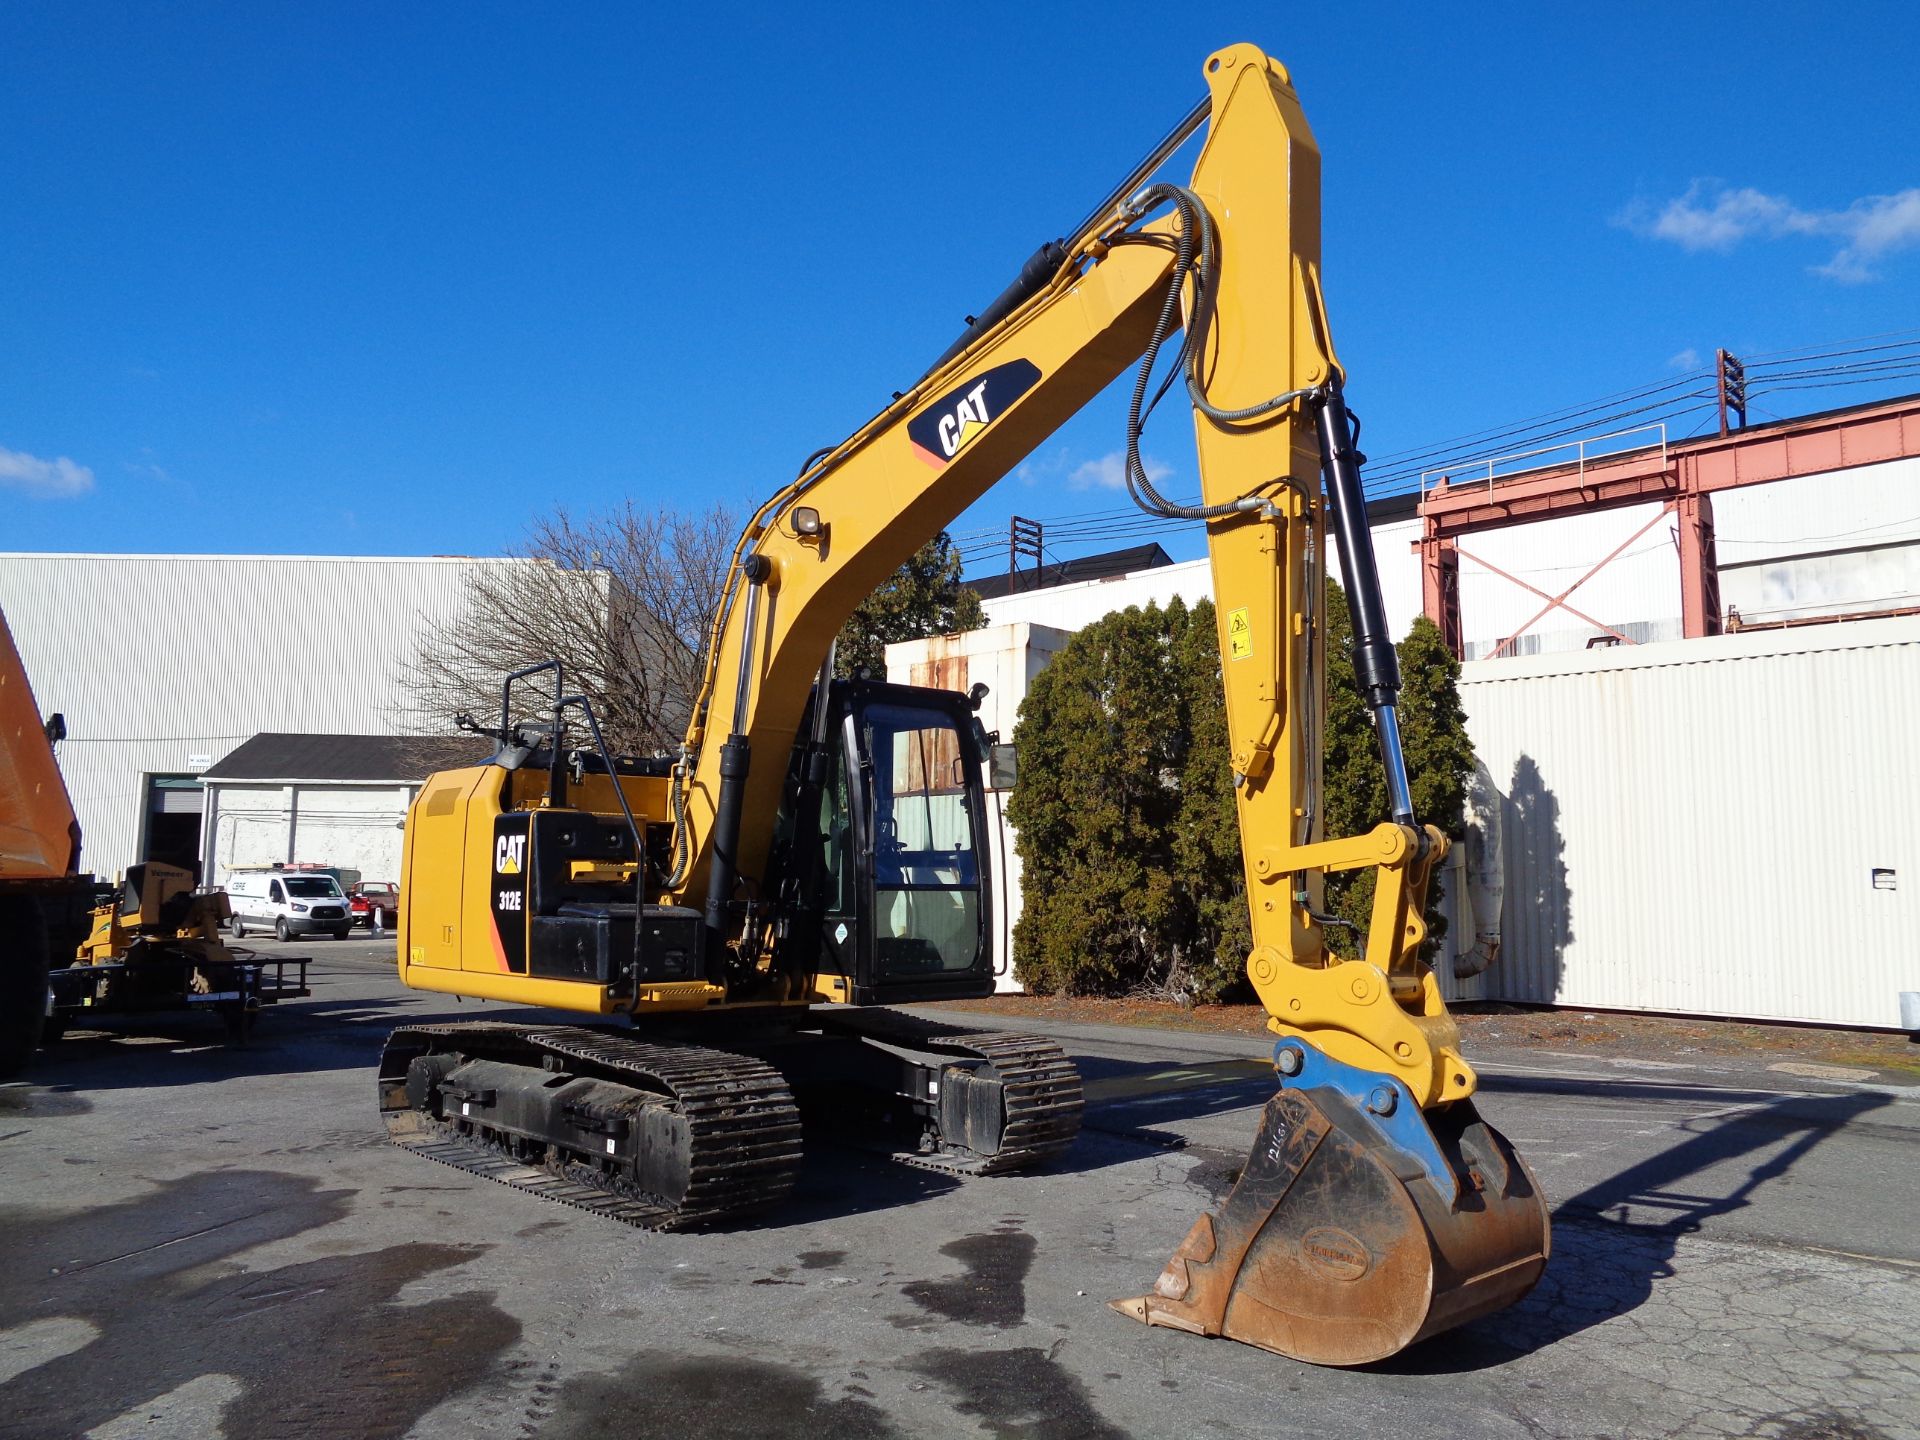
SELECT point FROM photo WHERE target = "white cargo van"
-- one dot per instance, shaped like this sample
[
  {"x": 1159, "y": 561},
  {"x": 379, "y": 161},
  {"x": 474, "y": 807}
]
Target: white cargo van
[{"x": 288, "y": 903}]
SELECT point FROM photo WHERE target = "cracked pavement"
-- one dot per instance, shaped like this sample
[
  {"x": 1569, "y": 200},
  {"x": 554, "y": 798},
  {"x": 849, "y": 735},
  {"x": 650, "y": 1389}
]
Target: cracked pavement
[{"x": 209, "y": 1243}]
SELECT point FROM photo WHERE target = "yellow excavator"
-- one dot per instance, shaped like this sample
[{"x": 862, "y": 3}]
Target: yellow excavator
[{"x": 742, "y": 912}]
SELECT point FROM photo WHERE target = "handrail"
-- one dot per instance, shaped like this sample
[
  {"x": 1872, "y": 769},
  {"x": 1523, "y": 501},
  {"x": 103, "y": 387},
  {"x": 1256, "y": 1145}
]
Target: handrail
[{"x": 1447, "y": 472}]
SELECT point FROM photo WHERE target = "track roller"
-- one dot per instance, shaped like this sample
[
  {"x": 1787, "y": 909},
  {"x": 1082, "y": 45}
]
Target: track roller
[{"x": 663, "y": 1137}]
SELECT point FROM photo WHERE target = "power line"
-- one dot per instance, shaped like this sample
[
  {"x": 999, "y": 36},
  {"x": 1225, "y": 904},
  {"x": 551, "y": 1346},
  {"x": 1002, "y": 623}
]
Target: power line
[
  {"x": 1867, "y": 360},
  {"x": 1764, "y": 356}
]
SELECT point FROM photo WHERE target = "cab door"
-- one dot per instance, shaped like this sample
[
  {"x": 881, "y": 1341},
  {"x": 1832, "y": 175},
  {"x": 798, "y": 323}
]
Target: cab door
[{"x": 918, "y": 845}]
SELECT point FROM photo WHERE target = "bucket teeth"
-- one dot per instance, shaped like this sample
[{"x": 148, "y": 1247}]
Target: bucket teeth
[{"x": 1326, "y": 1252}]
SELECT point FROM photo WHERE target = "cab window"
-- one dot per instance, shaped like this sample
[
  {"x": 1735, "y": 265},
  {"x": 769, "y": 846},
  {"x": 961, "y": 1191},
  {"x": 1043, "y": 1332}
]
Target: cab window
[{"x": 926, "y": 872}]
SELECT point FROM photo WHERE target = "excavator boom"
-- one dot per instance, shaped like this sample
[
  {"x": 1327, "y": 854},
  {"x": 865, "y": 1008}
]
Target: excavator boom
[{"x": 1377, "y": 1206}]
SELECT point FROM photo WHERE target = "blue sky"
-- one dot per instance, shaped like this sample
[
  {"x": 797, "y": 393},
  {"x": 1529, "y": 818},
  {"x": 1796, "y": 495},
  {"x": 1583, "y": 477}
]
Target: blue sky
[{"x": 394, "y": 279}]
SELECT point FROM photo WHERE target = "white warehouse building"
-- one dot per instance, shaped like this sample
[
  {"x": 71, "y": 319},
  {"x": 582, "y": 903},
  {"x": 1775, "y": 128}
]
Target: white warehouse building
[
  {"x": 164, "y": 664},
  {"x": 335, "y": 800}
]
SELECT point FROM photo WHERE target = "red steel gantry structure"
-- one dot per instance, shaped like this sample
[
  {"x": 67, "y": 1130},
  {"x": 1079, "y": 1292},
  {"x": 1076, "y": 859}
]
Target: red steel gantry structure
[{"x": 1683, "y": 476}]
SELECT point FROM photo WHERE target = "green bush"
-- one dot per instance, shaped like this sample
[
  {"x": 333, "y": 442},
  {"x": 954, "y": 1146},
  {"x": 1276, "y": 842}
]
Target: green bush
[
  {"x": 923, "y": 597},
  {"x": 1102, "y": 745},
  {"x": 1128, "y": 835},
  {"x": 1433, "y": 736},
  {"x": 1206, "y": 842}
]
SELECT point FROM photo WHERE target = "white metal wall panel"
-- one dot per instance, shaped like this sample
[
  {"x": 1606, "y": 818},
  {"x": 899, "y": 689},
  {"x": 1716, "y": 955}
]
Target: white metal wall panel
[
  {"x": 1005, "y": 658},
  {"x": 1695, "y": 826},
  {"x": 1821, "y": 544},
  {"x": 1073, "y": 607},
  {"x": 246, "y": 825},
  {"x": 164, "y": 663}
]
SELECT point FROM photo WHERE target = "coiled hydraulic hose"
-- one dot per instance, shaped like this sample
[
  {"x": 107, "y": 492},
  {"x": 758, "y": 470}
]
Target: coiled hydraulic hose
[{"x": 1196, "y": 259}]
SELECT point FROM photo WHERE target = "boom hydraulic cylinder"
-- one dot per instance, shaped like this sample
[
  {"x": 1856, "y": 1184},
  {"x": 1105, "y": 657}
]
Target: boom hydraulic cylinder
[{"x": 1375, "y": 664}]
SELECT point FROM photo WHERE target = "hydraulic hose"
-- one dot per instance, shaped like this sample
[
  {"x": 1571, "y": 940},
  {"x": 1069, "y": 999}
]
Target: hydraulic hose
[{"x": 1196, "y": 259}]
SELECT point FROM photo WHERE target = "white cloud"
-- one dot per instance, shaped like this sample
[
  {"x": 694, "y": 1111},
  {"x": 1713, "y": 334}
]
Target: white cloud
[
  {"x": 1718, "y": 217},
  {"x": 1063, "y": 465},
  {"x": 1687, "y": 359},
  {"x": 1875, "y": 226},
  {"x": 51, "y": 479},
  {"x": 1109, "y": 472},
  {"x": 1711, "y": 216}
]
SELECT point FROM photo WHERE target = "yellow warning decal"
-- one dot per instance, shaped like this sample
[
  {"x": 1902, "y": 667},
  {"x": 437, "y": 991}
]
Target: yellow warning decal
[{"x": 1239, "y": 635}]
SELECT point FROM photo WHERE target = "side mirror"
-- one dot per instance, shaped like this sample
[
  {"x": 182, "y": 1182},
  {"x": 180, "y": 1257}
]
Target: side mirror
[{"x": 1002, "y": 770}]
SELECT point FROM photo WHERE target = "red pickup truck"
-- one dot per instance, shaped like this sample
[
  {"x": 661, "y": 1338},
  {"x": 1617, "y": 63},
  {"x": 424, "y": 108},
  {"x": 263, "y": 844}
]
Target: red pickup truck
[{"x": 368, "y": 896}]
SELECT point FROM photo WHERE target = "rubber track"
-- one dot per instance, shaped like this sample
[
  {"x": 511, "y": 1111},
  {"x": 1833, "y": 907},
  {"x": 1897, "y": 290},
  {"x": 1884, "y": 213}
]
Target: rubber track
[
  {"x": 741, "y": 1118},
  {"x": 1042, "y": 1085}
]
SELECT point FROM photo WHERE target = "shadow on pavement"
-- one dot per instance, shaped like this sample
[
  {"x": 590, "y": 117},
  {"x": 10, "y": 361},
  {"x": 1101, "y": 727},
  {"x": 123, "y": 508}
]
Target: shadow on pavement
[
  {"x": 316, "y": 1344},
  {"x": 1615, "y": 1240},
  {"x": 838, "y": 1180},
  {"x": 293, "y": 1037},
  {"x": 1129, "y": 1098}
]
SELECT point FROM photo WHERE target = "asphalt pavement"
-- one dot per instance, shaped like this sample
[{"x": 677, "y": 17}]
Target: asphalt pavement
[{"x": 196, "y": 1241}]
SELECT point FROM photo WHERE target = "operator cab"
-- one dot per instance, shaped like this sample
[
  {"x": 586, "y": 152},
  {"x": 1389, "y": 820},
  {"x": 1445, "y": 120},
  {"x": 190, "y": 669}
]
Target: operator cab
[{"x": 879, "y": 857}]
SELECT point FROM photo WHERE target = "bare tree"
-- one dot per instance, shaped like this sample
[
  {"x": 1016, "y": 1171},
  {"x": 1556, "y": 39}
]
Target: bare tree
[{"x": 622, "y": 598}]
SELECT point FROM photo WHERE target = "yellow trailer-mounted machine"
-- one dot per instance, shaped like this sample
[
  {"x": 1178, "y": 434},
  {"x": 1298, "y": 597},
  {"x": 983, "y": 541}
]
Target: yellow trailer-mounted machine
[
  {"x": 65, "y": 954},
  {"x": 815, "y": 850},
  {"x": 154, "y": 945}
]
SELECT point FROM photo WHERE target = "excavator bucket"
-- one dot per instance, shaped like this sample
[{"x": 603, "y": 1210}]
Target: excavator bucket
[{"x": 1351, "y": 1234}]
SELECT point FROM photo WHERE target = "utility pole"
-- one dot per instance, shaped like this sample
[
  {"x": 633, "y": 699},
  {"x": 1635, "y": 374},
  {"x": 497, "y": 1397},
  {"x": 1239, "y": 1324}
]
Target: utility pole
[
  {"x": 1024, "y": 537},
  {"x": 1733, "y": 388}
]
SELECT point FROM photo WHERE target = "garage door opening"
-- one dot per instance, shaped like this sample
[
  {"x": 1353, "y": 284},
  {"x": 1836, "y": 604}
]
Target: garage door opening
[{"x": 172, "y": 831}]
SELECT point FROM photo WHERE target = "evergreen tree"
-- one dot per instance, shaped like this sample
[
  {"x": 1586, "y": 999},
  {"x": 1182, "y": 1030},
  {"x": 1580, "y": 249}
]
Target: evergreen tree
[
  {"x": 1102, "y": 745},
  {"x": 1128, "y": 832},
  {"x": 1433, "y": 735},
  {"x": 1206, "y": 841},
  {"x": 923, "y": 597}
]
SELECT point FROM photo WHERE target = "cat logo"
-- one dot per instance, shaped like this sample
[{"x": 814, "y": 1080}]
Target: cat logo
[
  {"x": 509, "y": 852},
  {"x": 954, "y": 421}
]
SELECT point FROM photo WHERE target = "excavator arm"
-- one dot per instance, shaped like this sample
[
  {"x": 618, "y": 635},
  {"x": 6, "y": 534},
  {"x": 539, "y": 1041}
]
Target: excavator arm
[
  {"x": 813, "y": 551},
  {"x": 1376, "y": 1207}
]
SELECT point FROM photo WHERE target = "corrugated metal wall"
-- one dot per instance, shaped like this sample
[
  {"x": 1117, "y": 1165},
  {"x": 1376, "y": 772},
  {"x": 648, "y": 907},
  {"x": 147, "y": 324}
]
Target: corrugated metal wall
[
  {"x": 1689, "y": 827},
  {"x": 1696, "y": 826},
  {"x": 164, "y": 663}
]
